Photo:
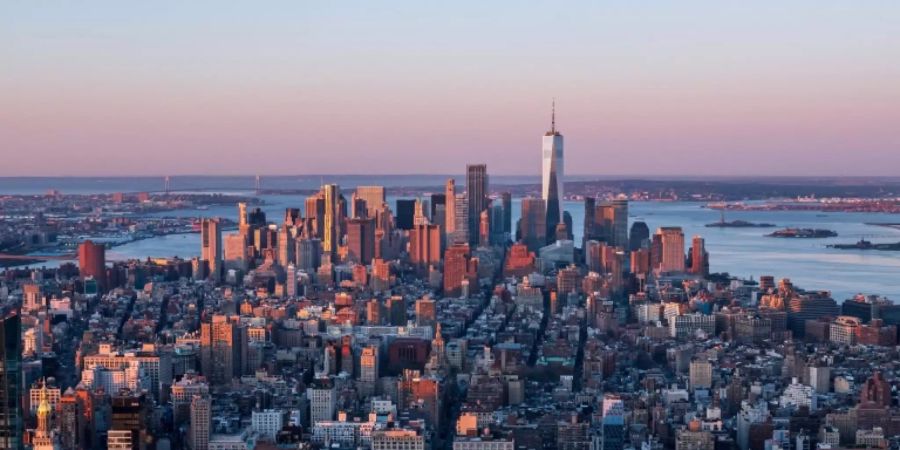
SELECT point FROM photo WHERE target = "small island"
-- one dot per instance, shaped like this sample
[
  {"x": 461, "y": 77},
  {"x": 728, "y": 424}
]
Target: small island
[
  {"x": 803, "y": 233},
  {"x": 863, "y": 244},
  {"x": 739, "y": 224}
]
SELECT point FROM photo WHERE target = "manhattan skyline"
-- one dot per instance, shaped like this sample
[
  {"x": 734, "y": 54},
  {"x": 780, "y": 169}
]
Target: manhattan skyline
[{"x": 102, "y": 88}]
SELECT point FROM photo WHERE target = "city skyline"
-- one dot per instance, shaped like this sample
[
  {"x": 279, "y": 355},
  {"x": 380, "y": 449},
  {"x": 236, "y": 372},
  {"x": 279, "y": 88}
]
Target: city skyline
[{"x": 106, "y": 89}]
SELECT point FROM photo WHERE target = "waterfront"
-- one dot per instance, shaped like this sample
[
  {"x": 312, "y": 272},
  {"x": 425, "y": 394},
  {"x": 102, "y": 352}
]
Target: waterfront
[{"x": 742, "y": 252}]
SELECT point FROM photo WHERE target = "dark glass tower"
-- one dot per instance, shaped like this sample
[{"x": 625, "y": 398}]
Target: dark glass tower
[
  {"x": 11, "y": 381},
  {"x": 476, "y": 190}
]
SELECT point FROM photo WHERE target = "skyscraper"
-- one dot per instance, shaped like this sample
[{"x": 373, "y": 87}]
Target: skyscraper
[
  {"x": 201, "y": 422},
  {"x": 450, "y": 207},
  {"x": 640, "y": 232},
  {"x": 699, "y": 257},
  {"x": 425, "y": 246},
  {"x": 332, "y": 224},
  {"x": 92, "y": 262},
  {"x": 619, "y": 223},
  {"x": 506, "y": 203},
  {"x": 476, "y": 192},
  {"x": 533, "y": 225},
  {"x": 211, "y": 246},
  {"x": 552, "y": 176},
  {"x": 11, "y": 421},
  {"x": 672, "y": 251},
  {"x": 406, "y": 212},
  {"x": 461, "y": 215},
  {"x": 373, "y": 196},
  {"x": 361, "y": 240}
]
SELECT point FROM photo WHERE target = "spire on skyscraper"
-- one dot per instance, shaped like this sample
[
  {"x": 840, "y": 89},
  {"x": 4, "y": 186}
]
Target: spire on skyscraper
[{"x": 553, "y": 117}]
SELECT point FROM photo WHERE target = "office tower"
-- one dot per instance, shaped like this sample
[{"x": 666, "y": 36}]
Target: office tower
[
  {"x": 211, "y": 247},
  {"x": 699, "y": 257},
  {"x": 458, "y": 270},
  {"x": 461, "y": 235},
  {"x": 358, "y": 209},
  {"x": 425, "y": 246},
  {"x": 420, "y": 393},
  {"x": 361, "y": 240},
  {"x": 32, "y": 297},
  {"x": 619, "y": 223},
  {"x": 368, "y": 367},
  {"x": 552, "y": 175},
  {"x": 672, "y": 250},
  {"x": 11, "y": 420},
  {"x": 309, "y": 254},
  {"x": 129, "y": 419},
  {"x": 396, "y": 310},
  {"x": 700, "y": 374},
  {"x": 499, "y": 236},
  {"x": 242, "y": 214},
  {"x": 332, "y": 224},
  {"x": 201, "y": 422},
  {"x": 236, "y": 256},
  {"x": 69, "y": 421},
  {"x": 291, "y": 215},
  {"x": 426, "y": 312},
  {"x": 322, "y": 400},
  {"x": 406, "y": 212},
  {"x": 484, "y": 228},
  {"x": 450, "y": 207},
  {"x": 476, "y": 192},
  {"x": 373, "y": 196},
  {"x": 92, "y": 262},
  {"x": 506, "y": 203},
  {"x": 437, "y": 202},
  {"x": 640, "y": 232},
  {"x": 590, "y": 207},
  {"x": 221, "y": 346},
  {"x": 419, "y": 216},
  {"x": 315, "y": 213},
  {"x": 286, "y": 245},
  {"x": 613, "y": 423},
  {"x": 533, "y": 225}
]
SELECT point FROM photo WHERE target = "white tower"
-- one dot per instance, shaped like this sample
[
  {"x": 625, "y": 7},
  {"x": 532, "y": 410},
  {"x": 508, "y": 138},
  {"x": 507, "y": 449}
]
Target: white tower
[{"x": 552, "y": 175}]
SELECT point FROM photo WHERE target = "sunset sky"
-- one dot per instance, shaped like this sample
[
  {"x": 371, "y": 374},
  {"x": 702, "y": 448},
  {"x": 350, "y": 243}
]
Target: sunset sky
[{"x": 304, "y": 87}]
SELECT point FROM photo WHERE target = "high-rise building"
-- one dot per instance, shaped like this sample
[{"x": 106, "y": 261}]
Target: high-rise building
[
  {"x": 476, "y": 192},
  {"x": 613, "y": 423},
  {"x": 699, "y": 257},
  {"x": 425, "y": 246},
  {"x": 533, "y": 225},
  {"x": 506, "y": 203},
  {"x": 286, "y": 246},
  {"x": 333, "y": 218},
  {"x": 368, "y": 367},
  {"x": 456, "y": 269},
  {"x": 420, "y": 393},
  {"x": 552, "y": 175},
  {"x": 672, "y": 251},
  {"x": 619, "y": 223},
  {"x": 201, "y": 422},
  {"x": 406, "y": 212},
  {"x": 640, "y": 232},
  {"x": 461, "y": 235},
  {"x": 373, "y": 196},
  {"x": 242, "y": 214},
  {"x": 315, "y": 214},
  {"x": 450, "y": 208},
  {"x": 222, "y": 343},
  {"x": 11, "y": 384},
  {"x": 590, "y": 206},
  {"x": 129, "y": 417},
  {"x": 322, "y": 400},
  {"x": 43, "y": 437},
  {"x": 211, "y": 246},
  {"x": 361, "y": 240},
  {"x": 92, "y": 262}
]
